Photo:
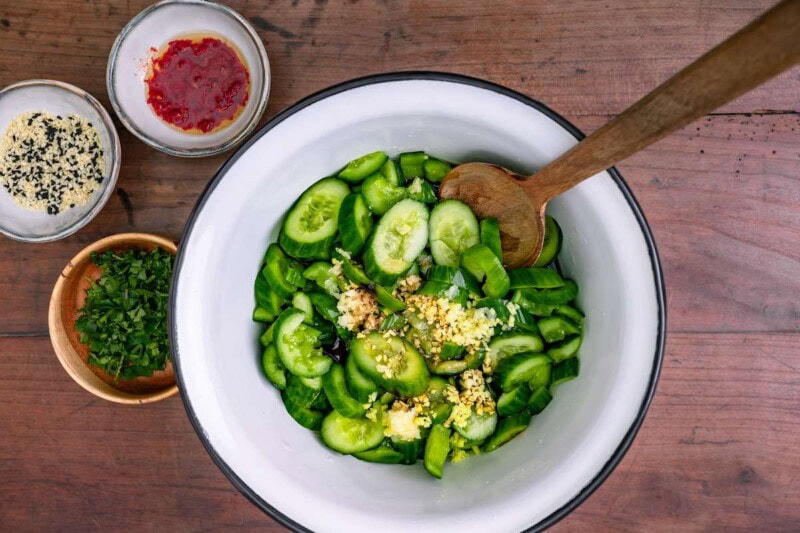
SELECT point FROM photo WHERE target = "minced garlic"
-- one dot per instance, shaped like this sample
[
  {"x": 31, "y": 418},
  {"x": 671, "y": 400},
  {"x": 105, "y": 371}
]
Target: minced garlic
[
  {"x": 50, "y": 163},
  {"x": 358, "y": 309},
  {"x": 404, "y": 421}
]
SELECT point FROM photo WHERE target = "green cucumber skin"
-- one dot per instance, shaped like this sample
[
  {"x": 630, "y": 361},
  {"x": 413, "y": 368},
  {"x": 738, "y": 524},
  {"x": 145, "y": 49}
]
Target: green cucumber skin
[
  {"x": 453, "y": 229},
  {"x": 356, "y": 170},
  {"x": 437, "y": 447},
  {"x": 302, "y": 365},
  {"x": 413, "y": 379},
  {"x": 359, "y": 385},
  {"x": 382, "y": 454},
  {"x": 273, "y": 367},
  {"x": 377, "y": 255},
  {"x": 335, "y": 387},
  {"x": 507, "y": 429},
  {"x": 553, "y": 238},
  {"x": 292, "y": 237},
  {"x": 350, "y": 435},
  {"x": 355, "y": 223},
  {"x": 490, "y": 236}
]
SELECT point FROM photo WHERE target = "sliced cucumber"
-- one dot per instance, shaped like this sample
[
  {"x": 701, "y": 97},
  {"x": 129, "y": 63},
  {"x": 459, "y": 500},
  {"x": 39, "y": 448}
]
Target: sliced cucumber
[
  {"x": 479, "y": 261},
  {"x": 520, "y": 298},
  {"x": 497, "y": 305},
  {"x": 507, "y": 429},
  {"x": 383, "y": 454},
  {"x": 333, "y": 382},
  {"x": 513, "y": 401},
  {"x": 451, "y": 350},
  {"x": 308, "y": 418},
  {"x": 536, "y": 278},
  {"x": 571, "y": 313},
  {"x": 421, "y": 191},
  {"x": 283, "y": 275},
  {"x": 359, "y": 385},
  {"x": 436, "y": 170},
  {"x": 298, "y": 345},
  {"x": 454, "y": 276},
  {"x": 392, "y": 174},
  {"x": 511, "y": 344},
  {"x": 566, "y": 370},
  {"x": 552, "y": 242},
  {"x": 454, "y": 367},
  {"x": 412, "y": 164},
  {"x": 453, "y": 229},
  {"x": 263, "y": 315},
  {"x": 444, "y": 290},
  {"x": 490, "y": 236},
  {"x": 301, "y": 301},
  {"x": 400, "y": 236},
  {"x": 564, "y": 350},
  {"x": 477, "y": 427},
  {"x": 310, "y": 226},
  {"x": 518, "y": 369},
  {"x": 540, "y": 376},
  {"x": 540, "y": 398},
  {"x": 387, "y": 299},
  {"x": 350, "y": 435},
  {"x": 268, "y": 337},
  {"x": 410, "y": 449},
  {"x": 351, "y": 269},
  {"x": 556, "y": 328},
  {"x": 393, "y": 321},
  {"x": 355, "y": 223},
  {"x": 358, "y": 169},
  {"x": 550, "y": 297},
  {"x": 392, "y": 363},
  {"x": 273, "y": 368},
  {"x": 321, "y": 273},
  {"x": 325, "y": 305},
  {"x": 299, "y": 394},
  {"x": 380, "y": 195},
  {"x": 266, "y": 298},
  {"x": 437, "y": 447}
]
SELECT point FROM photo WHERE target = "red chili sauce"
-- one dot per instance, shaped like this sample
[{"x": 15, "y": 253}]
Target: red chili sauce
[{"x": 198, "y": 84}]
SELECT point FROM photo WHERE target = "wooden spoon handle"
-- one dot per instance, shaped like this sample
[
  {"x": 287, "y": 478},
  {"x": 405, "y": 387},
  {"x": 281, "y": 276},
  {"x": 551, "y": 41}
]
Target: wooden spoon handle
[{"x": 766, "y": 47}]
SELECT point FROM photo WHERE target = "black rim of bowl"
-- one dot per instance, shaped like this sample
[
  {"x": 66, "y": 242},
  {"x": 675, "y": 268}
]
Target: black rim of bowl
[{"x": 658, "y": 281}]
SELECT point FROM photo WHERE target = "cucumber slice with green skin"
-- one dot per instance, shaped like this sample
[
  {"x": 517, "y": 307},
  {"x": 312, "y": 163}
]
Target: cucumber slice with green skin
[
  {"x": 497, "y": 305},
  {"x": 453, "y": 229},
  {"x": 572, "y": 313},
  {"x": 437, "y": 448},
  {"x": 359, "y": 385},
  {"x": 412, "y": 164},
  {"x": 552, "y": 242},
  {"x": 355, "y": 223},
  {"x": 321, "y": 404},
  {"x": 484, "y": 265},
  {"x": 310, "y": 226},
  {"x": 409, "y": 449},
  {"x": 308, "y": 418},
  {"x": 321, "y": 273},
  {"x": 566, "y": 349},
  {"x": 422, "y": 191},
  {"x": 273, "y": 368},
  {"x": 524, "y": 321},
  {"x": 511, "y": 344},
  {"x": 356, "y": 170},
  {"x": 325, "y": 305},
  {"x": 380, "y": 195},
  {"x": 333, "y": 382},
  {"x": 454, "y": 276},
  {"x": 566, "y": 371},
  {"x": 444, "y": 290},
  {"x": 435, "y": 169},
  {"x": 392, "y": 173},
  {"x": 477, "y": 427},
  {"x": 301, "y": 301},
  {"x": 536, "y": 278},
  {"x": 276, "y": 272},
  {"x": 268, "y": 337},
  {"x": 266, "y": 298},
  {"x": 451, "y": 350},
  {"x": 533, "y": 308},
  {"x": 383, "y": 454},
  {"x": 507, "y": 429},
  {"x": 407, "y": 373},
  {"x": 351, "y": 269},
  {"x": 393, "y": 321},
  {"x": 540, "y": 376},
  {"x": 350, "y": 435},
  {"x": 298, "y": 345},
  {"x": 490, "y": 236},
  {"x": 513, "y": 401},
  {"x": 540, "y": 398},
  {"x": 519, "y": 368},
  {"x": 556, "y": 328},
  {"x": 386, "y": 299},
  {"x": 454, "y": 367},
  {"x": 551, "y": 297},
  {"x": 299, "y": 394},
  {"x": 440, "y": 412},
  {"x": 399, "y": 237},
  {"x": 262, "y": 315}
]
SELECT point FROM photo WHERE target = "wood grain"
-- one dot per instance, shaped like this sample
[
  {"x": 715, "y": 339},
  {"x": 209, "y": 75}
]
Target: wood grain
[{"x": 718, "y": 449}]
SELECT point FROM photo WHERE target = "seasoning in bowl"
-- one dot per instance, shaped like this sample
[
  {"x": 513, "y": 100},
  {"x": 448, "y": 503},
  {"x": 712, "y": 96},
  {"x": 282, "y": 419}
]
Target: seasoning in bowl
[
  {"x": 51, "y": 163},
  {"x": 198, "y": 84},
  {"x": 123, "y": 320}
]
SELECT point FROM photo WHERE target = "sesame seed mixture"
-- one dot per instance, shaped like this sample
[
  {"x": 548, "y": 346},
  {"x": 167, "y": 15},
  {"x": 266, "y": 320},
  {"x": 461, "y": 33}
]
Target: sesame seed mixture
[{"x": 51, "y": 163}]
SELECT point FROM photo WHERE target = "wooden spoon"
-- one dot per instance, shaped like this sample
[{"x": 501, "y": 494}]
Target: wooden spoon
[{"x": 761, "y": 50}]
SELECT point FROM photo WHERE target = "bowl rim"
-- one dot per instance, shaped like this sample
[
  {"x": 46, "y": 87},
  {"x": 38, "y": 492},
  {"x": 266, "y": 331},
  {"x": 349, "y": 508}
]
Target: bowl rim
[
  {"x": 109, "y": 184},
  {"x": 658, "y": 281},
  {"x": 263, "y": 98},
  {"x": 54, "y": 310}
]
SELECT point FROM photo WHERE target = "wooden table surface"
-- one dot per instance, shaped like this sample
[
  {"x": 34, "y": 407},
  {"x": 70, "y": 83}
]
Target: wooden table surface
[{"x": 719, "y": 448}]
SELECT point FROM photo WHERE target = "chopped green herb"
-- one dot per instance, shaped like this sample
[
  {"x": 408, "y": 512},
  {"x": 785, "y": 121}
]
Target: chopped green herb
[{"x": 124, "y": 318}]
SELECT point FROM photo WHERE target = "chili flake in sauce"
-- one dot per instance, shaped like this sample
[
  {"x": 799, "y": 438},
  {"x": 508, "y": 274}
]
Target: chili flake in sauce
[{"x": 198, "y": 84}]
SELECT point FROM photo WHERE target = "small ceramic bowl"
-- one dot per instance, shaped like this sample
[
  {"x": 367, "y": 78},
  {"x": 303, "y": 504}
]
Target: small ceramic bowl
[
  {"x": 132, "y": 54},
  {"x": 68, "y": 296},
  {"x": 60, "y": 99}
]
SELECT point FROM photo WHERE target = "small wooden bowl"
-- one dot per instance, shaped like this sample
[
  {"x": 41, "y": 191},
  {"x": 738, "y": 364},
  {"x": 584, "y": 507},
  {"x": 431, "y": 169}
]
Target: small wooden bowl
[{"x": 69, "y": 295}]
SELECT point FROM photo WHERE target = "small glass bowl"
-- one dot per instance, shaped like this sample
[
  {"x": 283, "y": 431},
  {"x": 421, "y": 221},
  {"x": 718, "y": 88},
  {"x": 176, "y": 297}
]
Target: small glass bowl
[
  {"x": 133, "y": 52},
  {"x": 63, "y": 99}
]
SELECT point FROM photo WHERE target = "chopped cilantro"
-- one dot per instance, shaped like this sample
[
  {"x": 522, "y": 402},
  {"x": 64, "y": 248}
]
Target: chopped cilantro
[{"x": 124, "y": 318}]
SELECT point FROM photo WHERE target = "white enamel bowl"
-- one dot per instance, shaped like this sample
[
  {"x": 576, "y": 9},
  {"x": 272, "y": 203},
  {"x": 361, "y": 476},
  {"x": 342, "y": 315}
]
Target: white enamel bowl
[{"x": 535, "y": 479}]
